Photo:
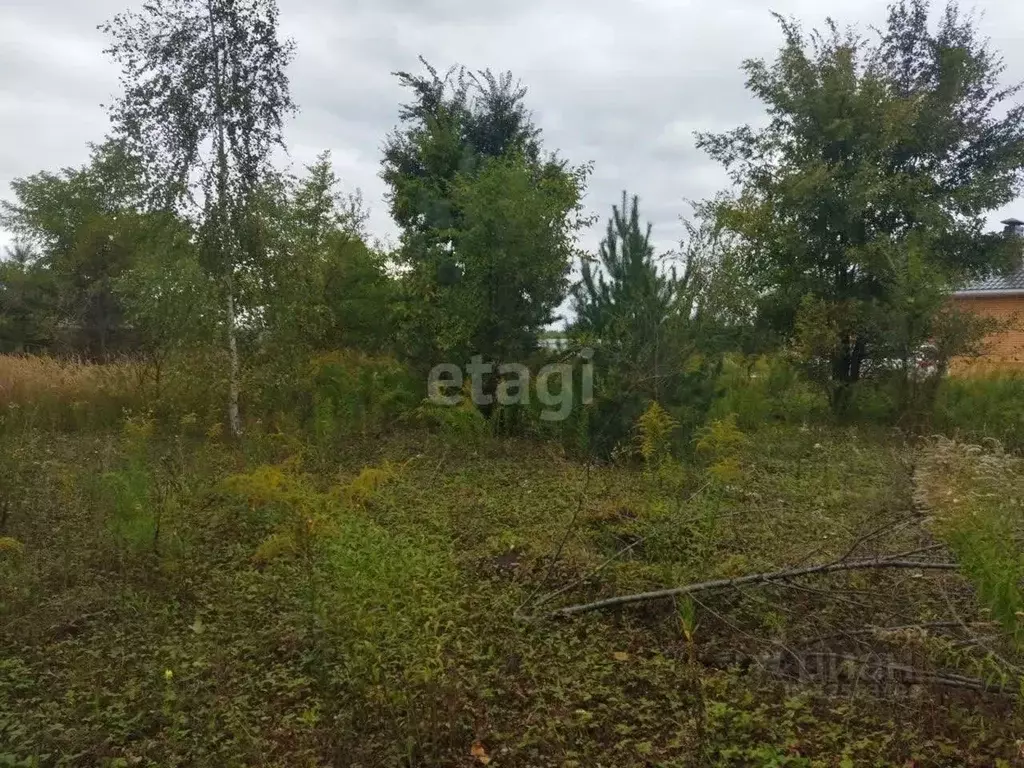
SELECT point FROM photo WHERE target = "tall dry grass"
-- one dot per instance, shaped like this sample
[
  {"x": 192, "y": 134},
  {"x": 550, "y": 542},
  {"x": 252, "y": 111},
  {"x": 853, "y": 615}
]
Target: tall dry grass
[
  {"x": 67, "y": 394},
  {"x": 339, "y": 393}
]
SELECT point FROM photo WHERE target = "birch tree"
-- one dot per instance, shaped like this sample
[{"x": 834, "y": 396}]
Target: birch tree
[{"x": 205, "y": 96}]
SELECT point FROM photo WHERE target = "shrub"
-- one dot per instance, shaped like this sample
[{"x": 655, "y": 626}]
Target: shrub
[
  {"x": 984, "y": 406},
  {"x": 354, "y": 393},
  {"x": 767, "y": 388}
]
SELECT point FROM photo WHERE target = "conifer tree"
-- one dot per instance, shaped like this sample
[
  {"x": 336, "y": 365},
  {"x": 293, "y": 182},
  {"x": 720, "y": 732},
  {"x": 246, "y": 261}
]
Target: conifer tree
[
  {"x": 635, "y": 299},
  {"x": 630, "y": 311}
]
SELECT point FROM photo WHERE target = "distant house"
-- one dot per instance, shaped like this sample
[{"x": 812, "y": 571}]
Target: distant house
[{"x": 1000, "y": 296}]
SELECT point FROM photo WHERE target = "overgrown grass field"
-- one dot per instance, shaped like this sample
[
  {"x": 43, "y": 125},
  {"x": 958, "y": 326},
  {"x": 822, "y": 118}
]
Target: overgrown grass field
[
  {"x": 383, "y": 596},
  {"x": 736, "y": 514}
]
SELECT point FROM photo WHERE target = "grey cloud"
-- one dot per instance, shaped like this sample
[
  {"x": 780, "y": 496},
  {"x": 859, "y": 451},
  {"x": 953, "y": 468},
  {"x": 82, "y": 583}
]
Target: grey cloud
[{"x": 623, "y": 85}]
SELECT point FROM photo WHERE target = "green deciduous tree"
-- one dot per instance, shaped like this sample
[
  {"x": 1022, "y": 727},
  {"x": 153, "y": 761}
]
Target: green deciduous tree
[
  {"x": 513, "y": 251},
  {"x": 861, "y": 202},
  {"x": 28, "y": 301},
  {"x": 205, "y": 97},
  {"x": 325, "y": 287},
  {"x": 82, "y": 222}
]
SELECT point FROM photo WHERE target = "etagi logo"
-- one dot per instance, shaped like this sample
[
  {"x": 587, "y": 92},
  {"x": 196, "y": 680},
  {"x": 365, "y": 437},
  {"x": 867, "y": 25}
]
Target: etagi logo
[{"x": 553, "y": 387}]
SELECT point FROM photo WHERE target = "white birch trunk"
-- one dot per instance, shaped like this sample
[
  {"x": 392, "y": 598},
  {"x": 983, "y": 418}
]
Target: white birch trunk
[
  {"x": 226, "y": 252},
  {"x": 234, "y": 421}
]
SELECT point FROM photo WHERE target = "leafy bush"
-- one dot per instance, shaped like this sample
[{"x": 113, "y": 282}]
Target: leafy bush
[
  {"x": 984, "y": 406},
  {"x": 354, "y": 393},
  {"x": 768, "y": 388}
]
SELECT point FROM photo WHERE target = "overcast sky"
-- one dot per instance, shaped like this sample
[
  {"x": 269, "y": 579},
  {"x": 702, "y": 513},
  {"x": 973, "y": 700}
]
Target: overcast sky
[{"x": 621, "y": 84}]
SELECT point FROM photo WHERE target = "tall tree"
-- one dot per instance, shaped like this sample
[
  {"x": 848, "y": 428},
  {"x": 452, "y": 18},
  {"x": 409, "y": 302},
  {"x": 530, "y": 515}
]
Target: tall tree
[
  {"x": 325, "y": 287},
  {"x": 205, "y": 97},
  {"x": 879, "y": 160},
  {"x": 624, "y": 304},
  {"x": 82, "y": 222},
  {"x": 474, "y": 281},
  {"x": 512, "y": 253},
  {"x": 452, "y": 124},
  {"x": 28, "y": 301}
]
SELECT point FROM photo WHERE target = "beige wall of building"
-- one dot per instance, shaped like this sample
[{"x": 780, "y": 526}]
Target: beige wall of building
[{"x": 1004, "y": 350}]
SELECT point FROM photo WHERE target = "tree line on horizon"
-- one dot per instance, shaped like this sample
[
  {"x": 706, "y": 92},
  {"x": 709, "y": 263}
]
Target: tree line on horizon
[{"x": 853, "y": 213}]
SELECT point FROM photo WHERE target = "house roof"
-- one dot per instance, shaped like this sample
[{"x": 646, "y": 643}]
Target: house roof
[
  {"x": 1000, "y": 283},
  {"x": 996, "y": 283}
]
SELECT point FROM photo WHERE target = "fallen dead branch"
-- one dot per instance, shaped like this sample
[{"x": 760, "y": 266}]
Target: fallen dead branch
[
  {"x": 756, "y": 578},
  {"x": 888, "y": 528},
  {"x": 884, "y": 631},
  {"x": 913, "y": 675},
  {"x": 624, "y": 551},
  {"x": 565, "y": 540}
]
